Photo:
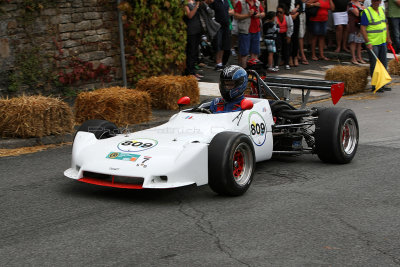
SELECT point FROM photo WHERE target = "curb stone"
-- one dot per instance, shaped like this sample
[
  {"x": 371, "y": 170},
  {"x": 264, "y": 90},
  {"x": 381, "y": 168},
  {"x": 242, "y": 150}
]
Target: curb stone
[{"x": 35, "y": 141}]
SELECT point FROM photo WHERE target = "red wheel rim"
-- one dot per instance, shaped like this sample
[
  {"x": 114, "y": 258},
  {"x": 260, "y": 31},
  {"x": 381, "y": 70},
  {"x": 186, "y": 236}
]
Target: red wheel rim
[
  {"x": 345, "y": 135},
  {"x": 242, "y": 164},
  {"x": 238, "y": 164},
  {"x": 349, "y": 136}
]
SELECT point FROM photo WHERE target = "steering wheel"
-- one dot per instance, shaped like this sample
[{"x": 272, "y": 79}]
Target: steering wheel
[{"x": 202, "y": 110}]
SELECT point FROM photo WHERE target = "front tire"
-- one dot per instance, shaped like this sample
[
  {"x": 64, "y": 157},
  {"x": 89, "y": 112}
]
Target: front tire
[
  {"x": 336, "y": 135},
  {"x": 231, "y": 163}
]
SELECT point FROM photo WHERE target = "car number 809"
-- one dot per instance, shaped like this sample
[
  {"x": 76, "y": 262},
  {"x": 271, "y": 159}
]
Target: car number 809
[
  {"x": 257, "y": 128},
  {"x": 137, "y": 144}
]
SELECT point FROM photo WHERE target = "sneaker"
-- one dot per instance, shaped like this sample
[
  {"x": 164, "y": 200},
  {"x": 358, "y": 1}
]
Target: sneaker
[
  {"x": 277, "y": 67},
  {"x": 272, "y": 70},
  {"x": 381, "y": 90},
  {"x": 287, "y": 67},
  {"x": 199, "y": 76},
  {"x": 257, "y": 61},
  {"x": 251, "y": 62},
  {"x": 219, "y": 67},
  {"x": 387, "y": 88}
]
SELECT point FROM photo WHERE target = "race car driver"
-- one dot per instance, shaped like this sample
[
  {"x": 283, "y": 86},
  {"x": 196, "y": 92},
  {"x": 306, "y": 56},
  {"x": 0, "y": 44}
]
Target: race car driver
[{"x": 232, "y": 84}]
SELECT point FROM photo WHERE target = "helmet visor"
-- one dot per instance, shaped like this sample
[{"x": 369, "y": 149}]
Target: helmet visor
[{"x": 228, "y": 84}]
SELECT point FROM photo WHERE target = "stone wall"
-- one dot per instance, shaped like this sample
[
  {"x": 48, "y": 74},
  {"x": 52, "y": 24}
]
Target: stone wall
[{"x": 61, "y": 42}]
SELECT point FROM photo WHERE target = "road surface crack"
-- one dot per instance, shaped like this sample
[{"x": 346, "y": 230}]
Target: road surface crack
[
  {"x": 363, "y": 237},
  {"x": 207, "y": 227}
]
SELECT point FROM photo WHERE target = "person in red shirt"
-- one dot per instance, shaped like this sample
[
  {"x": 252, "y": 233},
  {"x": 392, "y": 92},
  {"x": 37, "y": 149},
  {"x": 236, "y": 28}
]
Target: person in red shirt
[
  {"x": 285, "y": 23},
  {"x": 248, "y": 14},
  {"x": 318, "y": 27}
]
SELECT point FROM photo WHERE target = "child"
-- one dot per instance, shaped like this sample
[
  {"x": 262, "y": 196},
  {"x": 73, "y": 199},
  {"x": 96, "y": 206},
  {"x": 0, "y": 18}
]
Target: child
[
  {"x": 283, "y": 40},
  {"x": 270, "y": 30},
  {"x": 355, "y": 38}
]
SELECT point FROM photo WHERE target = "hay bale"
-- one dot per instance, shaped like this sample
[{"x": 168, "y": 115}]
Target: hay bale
[
  {"x": 355, "y": 78},
  {"x": 34, "y": 116},
  {"x": 119, "y": 105},
  {"x": 166, "y": 90},
  {"x": 394, "y": 67}
]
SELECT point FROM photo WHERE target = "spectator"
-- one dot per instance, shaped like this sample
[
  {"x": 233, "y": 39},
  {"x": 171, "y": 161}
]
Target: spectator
[
  {"x": 285, "y": 33},
  {"x": 355, "y": 37},
  {"x": 248, "y": 14},
  {"x": 294, "y": 43},
  {"x": 302, "y": 32},
  {"x": 194, "y": 30},
  {"x": 376, "y": 34},
  {"x": 235, "y": 32},
  {"x": 318, "y": 27},
  {"x": 367, "y": 3},
  {"x": 227, "y": 53},
  {"x": 394, "y": 19},
  {"x": 340, "y": 20},
  {"x": 223, "y": 37},
  {"x": 271, "y": 31}
]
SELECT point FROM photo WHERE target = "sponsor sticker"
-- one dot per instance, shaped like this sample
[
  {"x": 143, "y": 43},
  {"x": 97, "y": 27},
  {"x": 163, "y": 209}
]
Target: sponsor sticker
[
  {"x": 144, "y": 162},
  {"x": 123, "y": 156},
  {"x": 136, "y": 145},
  {"x": 257, "y": 127}
]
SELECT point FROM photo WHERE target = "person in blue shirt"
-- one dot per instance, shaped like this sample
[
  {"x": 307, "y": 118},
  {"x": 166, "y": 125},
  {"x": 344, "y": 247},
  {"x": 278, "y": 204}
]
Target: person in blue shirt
[{"x": 232, "y": 84}]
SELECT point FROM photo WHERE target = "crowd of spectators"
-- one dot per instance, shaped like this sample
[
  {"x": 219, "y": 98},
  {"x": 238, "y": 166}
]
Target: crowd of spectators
[{"x": 240, "y": 26}]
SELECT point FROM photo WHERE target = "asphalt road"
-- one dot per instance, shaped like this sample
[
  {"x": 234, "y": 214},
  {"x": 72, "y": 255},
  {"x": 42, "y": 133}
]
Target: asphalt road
[{"x": 298, "y": 212}]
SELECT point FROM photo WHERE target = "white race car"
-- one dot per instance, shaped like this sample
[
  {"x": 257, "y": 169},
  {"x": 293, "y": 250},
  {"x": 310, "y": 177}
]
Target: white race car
[{"x": 197, "y": 147}]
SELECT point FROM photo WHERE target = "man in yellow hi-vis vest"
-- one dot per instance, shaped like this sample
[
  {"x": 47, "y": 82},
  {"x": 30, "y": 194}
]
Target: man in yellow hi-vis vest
[{"x": 376, "y": 34}]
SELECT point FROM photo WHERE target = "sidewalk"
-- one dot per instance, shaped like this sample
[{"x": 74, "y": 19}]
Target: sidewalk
[{"x": 208, "y": 90}]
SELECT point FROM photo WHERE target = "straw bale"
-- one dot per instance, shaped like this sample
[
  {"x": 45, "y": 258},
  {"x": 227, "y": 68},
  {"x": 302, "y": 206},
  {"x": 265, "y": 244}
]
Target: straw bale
[
  {"x": 119, "y": 105},
  {"x": 34, "y": 116},
  {"x": 394, "y": 67},
  {"x": 166, "y": 90},
  {"x": 355, "y": 78}
]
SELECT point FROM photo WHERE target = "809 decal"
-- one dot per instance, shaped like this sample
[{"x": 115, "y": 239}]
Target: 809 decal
[
  {"x": 257, "y": 128},
  {"x": 137, "y": 145}
]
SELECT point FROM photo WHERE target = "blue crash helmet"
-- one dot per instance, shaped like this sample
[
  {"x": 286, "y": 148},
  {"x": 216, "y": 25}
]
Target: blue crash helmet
[{"x": 232, "y": 82}]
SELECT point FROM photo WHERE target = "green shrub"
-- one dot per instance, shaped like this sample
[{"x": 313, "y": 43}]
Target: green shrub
[{"x": 155, "y": 37}]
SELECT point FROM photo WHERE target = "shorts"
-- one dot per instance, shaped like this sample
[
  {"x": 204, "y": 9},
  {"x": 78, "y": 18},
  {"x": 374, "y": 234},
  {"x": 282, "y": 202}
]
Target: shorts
[
  {"x": 318, "y": 27},
  {"x": 270, "y": 45},
  {"x": 356, "y": 38},
  {"x": 249, "y": 43},
  {"x": 223, "y": 39},
  {"x": 340, "y": 18}
]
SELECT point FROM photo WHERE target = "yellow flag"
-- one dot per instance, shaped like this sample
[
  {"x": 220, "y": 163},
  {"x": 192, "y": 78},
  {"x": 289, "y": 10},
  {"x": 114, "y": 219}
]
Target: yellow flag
[{"x": 380, "y": 77}]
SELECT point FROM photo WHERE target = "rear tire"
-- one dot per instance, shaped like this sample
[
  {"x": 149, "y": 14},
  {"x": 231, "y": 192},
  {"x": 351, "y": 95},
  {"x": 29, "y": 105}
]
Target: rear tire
[
  {"x": 231, "y": 163},
  {"x": 102, "y": 129},
  {"x": 336, "y": 135}
]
